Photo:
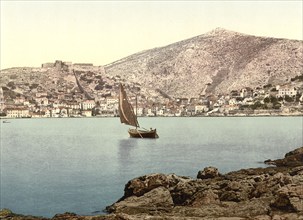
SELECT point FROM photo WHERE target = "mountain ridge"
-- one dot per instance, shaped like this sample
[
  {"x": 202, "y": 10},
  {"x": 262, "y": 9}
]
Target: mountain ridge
[{"x": 216, "y": 62}]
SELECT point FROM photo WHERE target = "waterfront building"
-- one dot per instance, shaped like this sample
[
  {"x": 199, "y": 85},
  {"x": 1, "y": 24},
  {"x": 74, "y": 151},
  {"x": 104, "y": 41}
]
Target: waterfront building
[
  {"x": 17, "y": 112},
  {"x": 200, "y": 109},
  {"x": 88, "y": 104},
  {"x": 246, "y": 92},
  {"x": 42, "y": 101},
  {"x": 87, "y": 113},
  {"x": 287, "y": 90}
]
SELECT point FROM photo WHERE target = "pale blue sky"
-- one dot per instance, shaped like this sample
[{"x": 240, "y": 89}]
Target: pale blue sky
[{"x": 100, "y": 32}]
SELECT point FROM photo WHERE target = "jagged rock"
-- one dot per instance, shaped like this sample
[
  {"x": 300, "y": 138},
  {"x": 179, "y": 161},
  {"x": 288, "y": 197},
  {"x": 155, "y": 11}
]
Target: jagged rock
[
  {"x": 290, "y": 197},
  {"x": 6, "y": 214},
  {"x": 297, "y": 171},
  {"x": 158, "y": 198},
  {"x": 143, "y": 184},
  {"x": 205, "y": 198},
  {"x": 183, "y": 192},
  {"x": 208, "y": 172},
  {"x": 238, "y": 194},
  {"x": 67, "y": 215},
  {"x": 292, "y": 159}
]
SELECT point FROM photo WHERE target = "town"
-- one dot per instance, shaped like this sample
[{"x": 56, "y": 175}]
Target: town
[{"x": 74, "y": 101}]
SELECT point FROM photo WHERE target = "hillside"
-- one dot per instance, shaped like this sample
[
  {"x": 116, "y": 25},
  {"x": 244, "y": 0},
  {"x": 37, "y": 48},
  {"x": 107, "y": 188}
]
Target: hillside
[{"x": 215, "y": 62}]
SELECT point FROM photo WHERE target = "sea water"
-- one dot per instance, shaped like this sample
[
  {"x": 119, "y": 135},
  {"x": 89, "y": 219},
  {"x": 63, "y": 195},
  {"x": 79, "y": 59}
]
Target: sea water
[{"x": 81, "y": 165}]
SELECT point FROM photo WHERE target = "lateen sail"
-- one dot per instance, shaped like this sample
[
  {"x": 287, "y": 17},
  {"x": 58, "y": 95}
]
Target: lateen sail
[{"x": 126, "y": 111}]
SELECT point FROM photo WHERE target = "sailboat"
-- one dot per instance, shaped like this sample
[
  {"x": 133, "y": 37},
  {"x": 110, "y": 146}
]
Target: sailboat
[{"x": 127, "y": 116}]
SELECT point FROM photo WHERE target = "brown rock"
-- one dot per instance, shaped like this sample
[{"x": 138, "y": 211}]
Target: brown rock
[
  {"x": 66, "y": 215},
  {"x": 292, "y": 159},
  {"x": 208, "y": 172},
  {"x": 205, "y": 198},
  {"x": 158, "y": 198},
  {"x": 144, "y": 184},
  {"x": 262, "y": 217},
  {"x": 290, "y": 197},
  {"x": 6, "y": 214}
]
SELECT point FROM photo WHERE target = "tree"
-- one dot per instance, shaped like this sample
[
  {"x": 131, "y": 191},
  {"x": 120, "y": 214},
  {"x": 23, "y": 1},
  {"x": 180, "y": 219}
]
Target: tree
[
  {"x": 273, "y": 99},
  {"x": 298, "y": 96},
  {"x": 256, "y": 105},
  {"x": 277, "y": 106},
  {"x": 266, "y": 100},
  {"x": 287, "y": 98}
]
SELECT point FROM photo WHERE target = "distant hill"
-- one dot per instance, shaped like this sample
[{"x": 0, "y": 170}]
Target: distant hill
[
  {"x": 216, "y": 62},
  {"x": 213, "y": 63}
]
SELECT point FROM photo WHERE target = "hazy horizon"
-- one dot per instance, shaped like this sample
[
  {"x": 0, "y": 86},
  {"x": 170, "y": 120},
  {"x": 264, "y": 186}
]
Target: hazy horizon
[{"x": 101, "y": 32}]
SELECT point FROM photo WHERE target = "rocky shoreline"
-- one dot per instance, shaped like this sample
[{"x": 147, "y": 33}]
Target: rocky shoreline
[{"x": 272, "y": 193}]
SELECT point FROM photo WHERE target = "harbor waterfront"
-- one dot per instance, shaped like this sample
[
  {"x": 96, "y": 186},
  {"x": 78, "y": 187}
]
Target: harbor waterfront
[{"x": 81, "y": 165}]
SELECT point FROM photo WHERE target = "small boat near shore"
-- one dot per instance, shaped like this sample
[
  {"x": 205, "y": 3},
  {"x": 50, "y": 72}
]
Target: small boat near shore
[
  {"x": 143, "y": 133},
  {"x": 5, "y": 121},
  {"x": 128, "y": 117}
]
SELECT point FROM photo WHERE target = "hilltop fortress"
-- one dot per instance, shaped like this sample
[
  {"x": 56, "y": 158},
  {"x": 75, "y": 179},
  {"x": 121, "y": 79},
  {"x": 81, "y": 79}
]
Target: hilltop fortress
[{"x": 64, "y": 65}]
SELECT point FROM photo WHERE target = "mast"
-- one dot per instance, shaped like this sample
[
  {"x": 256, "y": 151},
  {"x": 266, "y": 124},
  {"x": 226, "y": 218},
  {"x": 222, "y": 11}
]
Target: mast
[{"x": 136, "y": 107}]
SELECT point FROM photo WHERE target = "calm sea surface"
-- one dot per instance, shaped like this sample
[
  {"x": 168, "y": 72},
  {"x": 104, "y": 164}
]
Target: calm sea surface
[{"x": 51, "y": 166}]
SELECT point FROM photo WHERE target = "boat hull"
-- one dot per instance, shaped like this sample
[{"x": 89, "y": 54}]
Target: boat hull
[{"x": 134, "y": 133}]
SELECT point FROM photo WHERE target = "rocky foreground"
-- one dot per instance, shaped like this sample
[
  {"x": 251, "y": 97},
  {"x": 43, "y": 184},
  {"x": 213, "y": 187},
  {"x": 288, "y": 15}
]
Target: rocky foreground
[{"x": 272, "y": 193}]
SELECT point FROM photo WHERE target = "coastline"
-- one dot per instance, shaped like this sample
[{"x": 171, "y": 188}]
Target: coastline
[
  {"x": 274, "y": 192},
  {"x": 196, "y": 116}
]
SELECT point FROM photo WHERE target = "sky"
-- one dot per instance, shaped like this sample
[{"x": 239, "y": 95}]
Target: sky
[{"x": 100, "y": 32}]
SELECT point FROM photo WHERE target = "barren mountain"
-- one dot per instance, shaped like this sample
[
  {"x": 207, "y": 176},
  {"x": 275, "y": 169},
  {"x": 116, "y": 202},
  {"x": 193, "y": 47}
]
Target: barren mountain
[
  {"x": 213, "y": 63},
  {"x": 216, "y": 62}
]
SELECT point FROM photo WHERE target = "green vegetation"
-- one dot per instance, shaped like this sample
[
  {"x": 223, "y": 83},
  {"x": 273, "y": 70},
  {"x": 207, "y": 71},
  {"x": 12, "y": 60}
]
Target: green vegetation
[
  {"x": 272, "y": 102},
  {"x": 298, "y": 96},
  {"x": 288, "y": 98},
  {"x": 257, "y": 105}
]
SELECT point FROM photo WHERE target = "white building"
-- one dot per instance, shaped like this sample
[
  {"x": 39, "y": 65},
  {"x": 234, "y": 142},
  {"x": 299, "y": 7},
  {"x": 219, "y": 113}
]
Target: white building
[
  {"x": 287, "y": 90},
  {"x": 17, "y": 112},
  {"x": 41, "y": 94},
  {"x": 87, "y": 104},
  {"x": 200, "y": 108},
  {"x": 19, "y": 100},
  {"x": 233, "y": 101},
  {"x": 139, "y": 111},
  {"x": 42, "y": 101},
  {"x": 87, "y": 113},
  {"x": 248, "y": 101},
  {"x": 73, "y": 105},
  {"x": 150, "y": 112},
  {"x": 112, "y": 100},
  {"x": 160, "y": 112}
]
